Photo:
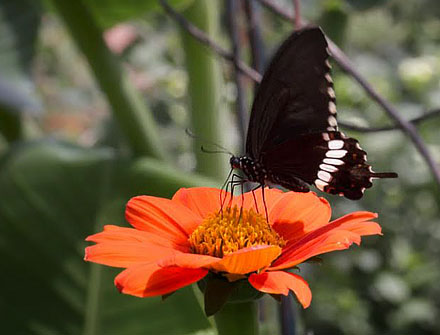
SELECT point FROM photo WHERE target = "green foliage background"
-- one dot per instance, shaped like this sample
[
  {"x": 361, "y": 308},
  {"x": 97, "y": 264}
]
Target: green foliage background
[{"x": 83, "y": 129}]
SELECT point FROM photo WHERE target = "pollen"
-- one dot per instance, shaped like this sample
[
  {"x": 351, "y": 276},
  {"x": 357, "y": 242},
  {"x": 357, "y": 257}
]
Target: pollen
[{"x": 231, "y": 230}]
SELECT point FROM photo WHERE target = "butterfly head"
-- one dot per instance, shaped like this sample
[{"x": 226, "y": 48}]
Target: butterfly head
[{"x": 235, "y": 162}]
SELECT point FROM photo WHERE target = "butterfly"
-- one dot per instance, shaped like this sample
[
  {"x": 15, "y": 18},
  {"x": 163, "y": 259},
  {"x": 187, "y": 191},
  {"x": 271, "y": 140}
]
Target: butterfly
[{"x": 293, "y": 138}]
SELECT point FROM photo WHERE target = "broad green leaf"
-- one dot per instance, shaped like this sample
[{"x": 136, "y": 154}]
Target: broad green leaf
[{"x": 52, "y": 196}]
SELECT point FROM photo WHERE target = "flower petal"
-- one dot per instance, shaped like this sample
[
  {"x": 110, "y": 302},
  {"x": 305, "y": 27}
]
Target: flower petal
[
  {"x": 187, "y": 260},
  {"x": 281, "y": 282},
  {"x": 247, "y": 260},
  {"x": 112, "y": 234},
  {"x": 296, "y": 214},
  {"x": 126, "y": 253},
  {"x": 357, "y": 222},
  {"x": 255, "y": 199},
  {"x": 201, "y": 200},
  {"x": 336, "y": 235},
  {"x": 149, "y": 280},
  {"x": 162, "y": 217}
]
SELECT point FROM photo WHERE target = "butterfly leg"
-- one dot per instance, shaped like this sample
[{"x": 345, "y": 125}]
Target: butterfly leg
[
  {"x": 241, "y": 181},
  {"x": 224, "y": 187},
  {"x": 255, "y": 198},
  {"x": 264, "y": 203},
  {"x": 235, "y": 180}
]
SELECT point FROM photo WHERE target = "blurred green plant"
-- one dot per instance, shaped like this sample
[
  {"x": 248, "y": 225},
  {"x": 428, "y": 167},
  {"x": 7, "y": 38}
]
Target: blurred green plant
[{"x": 54, "y": 193}]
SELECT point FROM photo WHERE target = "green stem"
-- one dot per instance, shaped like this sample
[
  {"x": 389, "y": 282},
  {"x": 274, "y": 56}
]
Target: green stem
[
  {"x": 238, "y": 318},
  {"x": 133, "y": 116},
  {"x": 204, "y": 88}
]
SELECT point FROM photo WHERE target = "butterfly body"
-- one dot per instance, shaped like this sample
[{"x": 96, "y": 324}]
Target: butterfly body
[
  {"x": 257, "y": 173},
  {"x": 293, "y": 138}
]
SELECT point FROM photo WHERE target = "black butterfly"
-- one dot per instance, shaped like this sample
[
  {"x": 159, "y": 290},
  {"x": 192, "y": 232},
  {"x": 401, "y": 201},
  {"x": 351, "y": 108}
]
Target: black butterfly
[{"x": 293, "y": 138}]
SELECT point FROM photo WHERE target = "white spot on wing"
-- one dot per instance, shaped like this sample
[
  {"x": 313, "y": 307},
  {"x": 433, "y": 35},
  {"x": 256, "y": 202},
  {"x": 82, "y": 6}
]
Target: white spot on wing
[
  {"x": 335, "y": 144},
  {"x": 331, "y": 128},
  {"x": 332, "y": 161},
  {"x": 328, "y": 77},
  {"x": 329, "y": 168},
  {"x": 332, "y": 107},
  {"x": 331, "y": 92},
  {"x": 320, "y": 184},
  {"x": 336, "y": 153},
  {"x": 325, "y": 176},
  {"x": 332, "y": 121},
  {"x": 328, "y": 64},
  {"x": 325, "y": 137}
]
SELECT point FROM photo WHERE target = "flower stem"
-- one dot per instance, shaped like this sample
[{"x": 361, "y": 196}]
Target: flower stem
[{"x": 238, "y": 318}]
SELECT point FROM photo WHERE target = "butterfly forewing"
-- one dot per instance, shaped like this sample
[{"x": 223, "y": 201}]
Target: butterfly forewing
[{"x": 295, "y": 96}]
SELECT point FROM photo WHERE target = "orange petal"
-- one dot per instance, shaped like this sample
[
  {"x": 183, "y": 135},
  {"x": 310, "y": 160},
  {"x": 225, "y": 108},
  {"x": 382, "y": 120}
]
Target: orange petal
[
  {"x": 356, "y": 221},
  {"x": 126, "y": 253},
  {"x": 254, "y": 199},
  {"x": 297, "y": 214},
  {"x": 187, "y": 260},
  {"x": 337, "y": 235},
  {"x": 201, "y": 200},
  {"x": 281, "y": 282},
  {"x": 149, "y": 280},
  {"x": 162, "y": 217},
  {"x": 247, "y": 260},
  {"x": 122, "y": 234}
]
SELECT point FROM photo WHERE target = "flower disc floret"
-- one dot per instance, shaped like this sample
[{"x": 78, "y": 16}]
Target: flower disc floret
[{"x": 230, "y": 230}]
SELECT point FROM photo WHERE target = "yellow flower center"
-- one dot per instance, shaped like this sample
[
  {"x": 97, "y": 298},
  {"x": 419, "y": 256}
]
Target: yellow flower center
[{"x": 223, "y": 233}]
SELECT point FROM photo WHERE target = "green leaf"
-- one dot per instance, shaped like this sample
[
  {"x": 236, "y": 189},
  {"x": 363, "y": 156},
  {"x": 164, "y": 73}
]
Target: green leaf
[
  {"x": 111, "y": 12},
  {"x": 53, "y": 195}
]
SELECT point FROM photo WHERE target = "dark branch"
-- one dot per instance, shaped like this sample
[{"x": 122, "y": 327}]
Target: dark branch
[
  {"x": 344, "y": 63},
  {"x": 252, "y": 10},
  {"x": 232, "y": 7},
  {"x": 415, "y": 121},
  {"x": 203, "y": 38}
]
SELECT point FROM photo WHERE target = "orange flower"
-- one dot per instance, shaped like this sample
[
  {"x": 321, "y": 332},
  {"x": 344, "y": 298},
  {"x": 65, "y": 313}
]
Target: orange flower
[{"x": 177, "y": 242}]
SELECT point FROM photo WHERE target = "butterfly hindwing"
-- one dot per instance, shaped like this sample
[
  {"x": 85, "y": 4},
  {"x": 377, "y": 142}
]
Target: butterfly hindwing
[{"x": 331, "y": 161}]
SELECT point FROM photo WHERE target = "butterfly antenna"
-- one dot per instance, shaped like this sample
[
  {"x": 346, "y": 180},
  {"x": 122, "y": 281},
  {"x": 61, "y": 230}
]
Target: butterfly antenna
[{"x": 222, "y": 151}]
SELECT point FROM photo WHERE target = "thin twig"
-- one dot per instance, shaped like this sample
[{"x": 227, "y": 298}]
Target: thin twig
[
  {"x": 344, "y": 63},
  {"x": 203, "y": 38},
  {"x": 252, "y": 11},
  {"x": 415, "y": 121},
  {"x": 297, "y": 11},
  {"x": 231, "y": 12}
]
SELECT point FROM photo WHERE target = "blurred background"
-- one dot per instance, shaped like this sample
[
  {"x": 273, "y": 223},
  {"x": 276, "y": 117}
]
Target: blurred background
[{"x": 95, "y": 97}]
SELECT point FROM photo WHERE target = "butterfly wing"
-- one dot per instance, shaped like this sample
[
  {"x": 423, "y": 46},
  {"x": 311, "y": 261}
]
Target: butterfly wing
[
  {"x": 293, "y": 128},
  {"x": 295, "y": 96},
  {"x": 333, "y": 162}
]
